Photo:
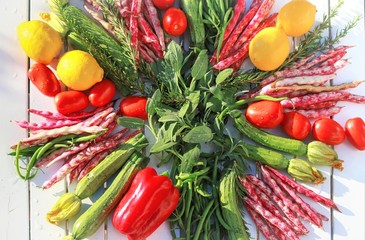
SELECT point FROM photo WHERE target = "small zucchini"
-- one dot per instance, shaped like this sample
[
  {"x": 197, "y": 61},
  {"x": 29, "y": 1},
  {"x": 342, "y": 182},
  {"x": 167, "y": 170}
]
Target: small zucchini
[
  {"x": 69, "y": 204},
  {"x": 263, "y": 155},
  {"x": 288, "y": 145},
  {"x": 90, "y": 221},
  {"x": 91, "y": 182},
  {"x": 232, "y": 213}
]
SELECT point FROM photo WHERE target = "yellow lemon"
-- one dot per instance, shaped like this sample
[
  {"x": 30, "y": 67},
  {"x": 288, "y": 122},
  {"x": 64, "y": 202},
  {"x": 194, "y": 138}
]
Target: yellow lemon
[
  {"x": 296, "y": 17},
  {"x": 269, "y": 49},
  {"x": 79, "y": 70},
  {"x": 39, "y": 40}
]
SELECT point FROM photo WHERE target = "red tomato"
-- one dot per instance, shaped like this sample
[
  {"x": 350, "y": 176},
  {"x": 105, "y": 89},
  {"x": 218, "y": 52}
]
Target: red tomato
[
  {"x": 70, "y": 101},
  {"x": 296, "y": 125},
  {"x": 355, "y": 131},
  {"x": 44, "y": 79},
  {"x": 265, "y": 114},
  {"x": 328, "y": 131},
  {"x": 163, "y": 4},
  {"x": 134, "y": 106},
  {"x": 174, "y": 21},
  {"x": 102, "y": 93}
]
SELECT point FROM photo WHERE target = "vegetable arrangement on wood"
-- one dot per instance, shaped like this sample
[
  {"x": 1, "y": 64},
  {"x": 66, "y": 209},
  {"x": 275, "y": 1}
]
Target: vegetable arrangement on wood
[{"x": 186, "y": 96}]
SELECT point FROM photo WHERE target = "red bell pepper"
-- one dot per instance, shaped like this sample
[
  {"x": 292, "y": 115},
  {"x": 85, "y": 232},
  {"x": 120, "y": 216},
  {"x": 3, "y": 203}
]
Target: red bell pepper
[{"x": 149, "y": 201}]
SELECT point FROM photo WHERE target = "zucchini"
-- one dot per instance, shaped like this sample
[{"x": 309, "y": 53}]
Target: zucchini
[
  {"x": 194, "y": 13},
  {"x": 288, "y": 145},
  {"x": 90, "y": 221},
  {"x": 263, "y": 155},
  {"x": 69, "y": 204},
  {"x": 90, "y": 183},
  {"x": 231, "y": 211}
]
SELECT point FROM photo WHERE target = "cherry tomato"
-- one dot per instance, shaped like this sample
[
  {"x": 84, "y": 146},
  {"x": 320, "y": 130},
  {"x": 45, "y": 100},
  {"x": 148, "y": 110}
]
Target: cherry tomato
[
  {"x": 174, "y": 21},
  {"x": 296, "y": 125},
  {"x": 265, "y": 114},
  {"x": 355, "y": 131},
  {"x": 70, "y": 101},
  {"x": 328, "y": 131},
  {"x": 163, "y": 4},
  {"x": 134, "y": 106},
  {"x": 102, "y": 93},
  {"x": 44, "y": 79}
]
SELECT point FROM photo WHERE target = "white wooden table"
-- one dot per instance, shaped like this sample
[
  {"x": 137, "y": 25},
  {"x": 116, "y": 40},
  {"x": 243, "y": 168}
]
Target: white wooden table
[{"x": 23, "y": 204}]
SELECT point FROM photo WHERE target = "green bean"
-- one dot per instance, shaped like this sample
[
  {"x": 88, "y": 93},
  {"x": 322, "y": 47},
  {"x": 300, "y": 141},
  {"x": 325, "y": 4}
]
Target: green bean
[
  {"x": 221, "y": 6},
  {"x": 221, "y": 219},
  {"x": 188, "y": 222},
  {"x": 208, "y": 224},
  {"x": 26, "y": 152},
  {"x": 86, "y": 138},
  {"x": 202, "y": 219},
  {"x": 31, "y": 164},
  {"x": 61, "y": 145},
  {"x": 17, "y": 157},
  {"x": 189, "y": 199},
  {"x": 181, "y": 202}
]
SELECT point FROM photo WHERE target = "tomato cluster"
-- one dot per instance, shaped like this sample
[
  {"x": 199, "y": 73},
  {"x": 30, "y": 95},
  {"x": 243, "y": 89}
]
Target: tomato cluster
[
  {"x": 70, "y": 101},
  {"x": 270, "y": 114}
]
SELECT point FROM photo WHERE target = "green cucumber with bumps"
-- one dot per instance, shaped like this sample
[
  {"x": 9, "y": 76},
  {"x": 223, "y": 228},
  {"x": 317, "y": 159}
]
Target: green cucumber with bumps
[
  {"x": 287, "y": 145},
  {"x": 263, "y": 155}
]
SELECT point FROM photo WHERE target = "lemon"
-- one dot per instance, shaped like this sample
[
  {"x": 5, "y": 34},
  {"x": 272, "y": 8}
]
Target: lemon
[
  {"x": 79, "y": 70},
  {"x": 39, "y": 40},
  {"x": 296, "y": 17},
  {"x": 269, "y": 48}
]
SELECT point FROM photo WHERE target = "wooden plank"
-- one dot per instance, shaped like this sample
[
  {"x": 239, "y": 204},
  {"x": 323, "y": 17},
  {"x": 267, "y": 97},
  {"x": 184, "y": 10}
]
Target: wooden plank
[
  {"x": 13, "y": 100},
  {"x": 41, "y": 200},
  {"x": 348, "y": 186}
]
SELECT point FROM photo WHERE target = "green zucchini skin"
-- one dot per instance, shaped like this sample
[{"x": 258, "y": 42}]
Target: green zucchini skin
[
  {"x": 263, "y": 155},
  {"x": 90, "y": 221},
  {"x": 91, "y": 182},
  {"x": 230, "y": 209},
  {"x": 195, "y": 21},
  {"x": 291, "y": 146}
]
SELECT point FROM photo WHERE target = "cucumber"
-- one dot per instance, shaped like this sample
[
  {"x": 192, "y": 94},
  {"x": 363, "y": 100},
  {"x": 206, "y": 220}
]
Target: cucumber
[
  {"x": 288, "y": 145},
  {"x": 263, "y": 155},
  {"x": 231, "y": 211},
  {"x": 90, "y": 221},
  {"x": 194, "y": 13},
  {"x": 91, "y": 182}
]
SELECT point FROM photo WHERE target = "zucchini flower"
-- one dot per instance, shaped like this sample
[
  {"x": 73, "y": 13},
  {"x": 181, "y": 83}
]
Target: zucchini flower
[
  {"x": 323, "y": 154},
  {"x": 302, "y": 170},
  {"x": 67, "y": 206}
]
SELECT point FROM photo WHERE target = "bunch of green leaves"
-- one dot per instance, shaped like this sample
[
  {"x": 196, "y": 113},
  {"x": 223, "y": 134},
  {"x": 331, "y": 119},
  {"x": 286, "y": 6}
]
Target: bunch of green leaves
[
  {"x": 216, "y": 15},
  {"x": 184, "y": 119}
]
